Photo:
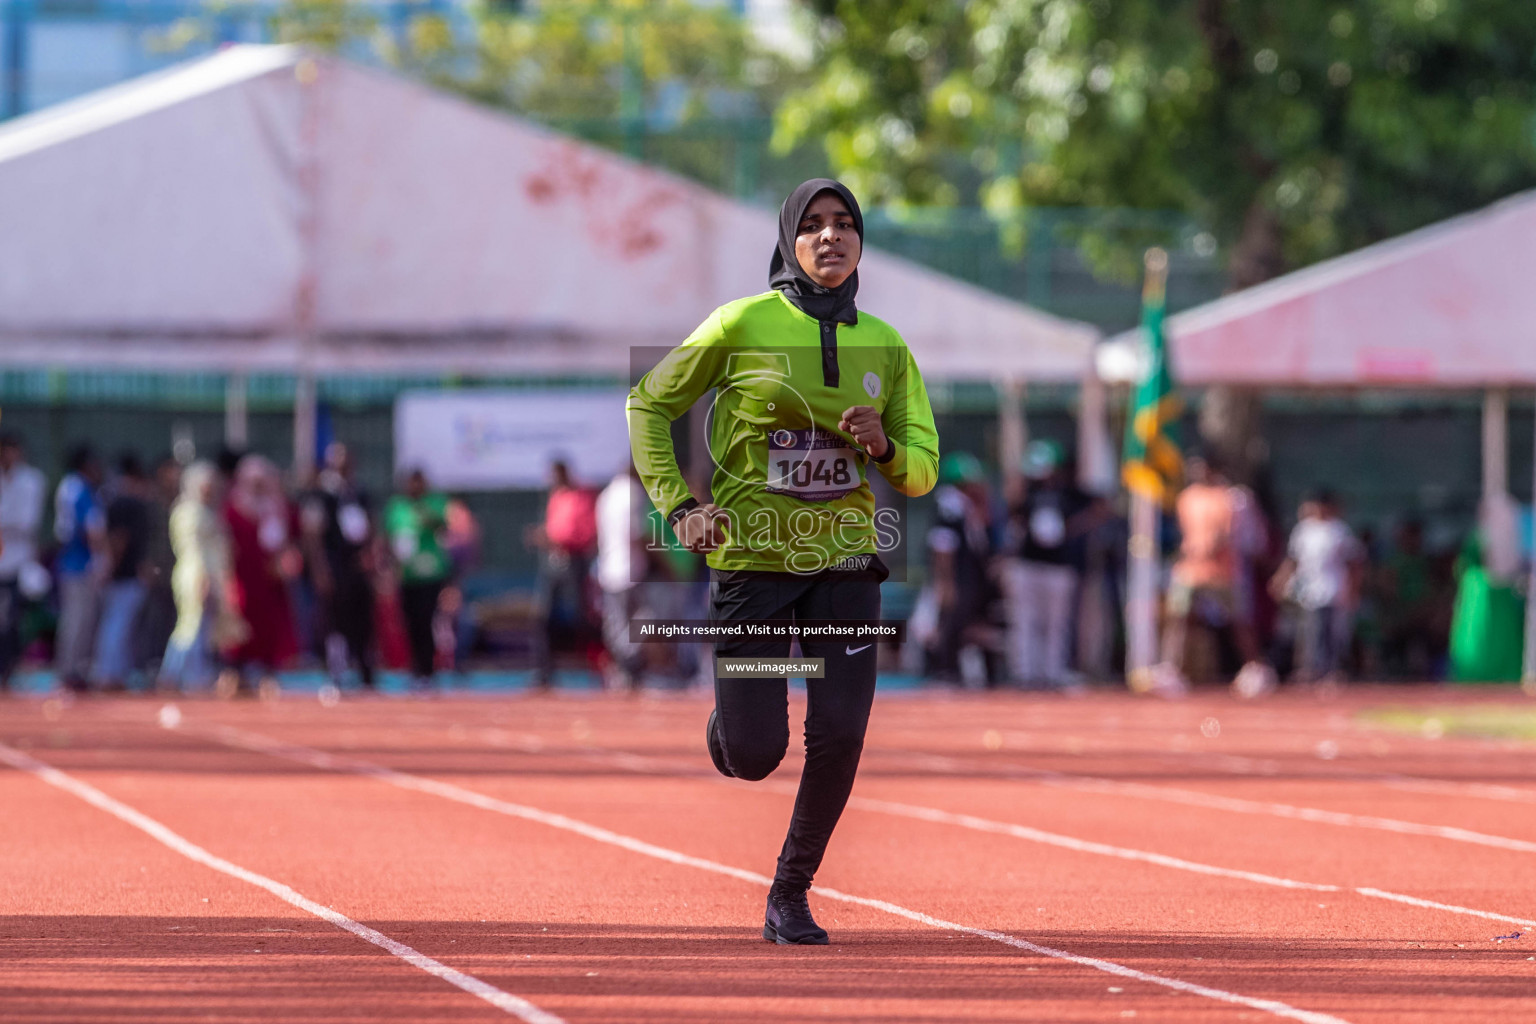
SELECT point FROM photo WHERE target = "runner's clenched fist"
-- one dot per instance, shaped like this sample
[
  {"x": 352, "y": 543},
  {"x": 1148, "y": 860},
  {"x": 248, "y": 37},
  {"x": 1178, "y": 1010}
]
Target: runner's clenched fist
[
  {"x": 863, "y": 422},
  {"x": 701, "y": 529}
]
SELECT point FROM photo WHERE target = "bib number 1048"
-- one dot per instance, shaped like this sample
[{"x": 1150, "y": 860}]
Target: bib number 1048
[
  {"x": 812, "y": 471},
  {"x": 812, "y": 465}
]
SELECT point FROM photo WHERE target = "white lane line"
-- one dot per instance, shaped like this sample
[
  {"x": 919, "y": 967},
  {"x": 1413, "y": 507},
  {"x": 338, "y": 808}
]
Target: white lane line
[
  {"x": 1483, "y": 790},
  {"x": 1433, "y": 905},
  {"x": 1086, "y": 846},
  {"x": 1306, "y": 767},
  {"x": 514, "y": 1005},
  {"x": 648, "y": 764},
  {"x": 330, "y": 762},
  {"x": 1313, "y": 814},
  {"x": 1194, "y": 798},
  {"x": 1035, "y": 835}
]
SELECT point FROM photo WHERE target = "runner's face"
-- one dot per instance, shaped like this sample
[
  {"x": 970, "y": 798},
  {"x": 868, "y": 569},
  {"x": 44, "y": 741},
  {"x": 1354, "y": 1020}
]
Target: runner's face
[{"x": 826, "y": 243}]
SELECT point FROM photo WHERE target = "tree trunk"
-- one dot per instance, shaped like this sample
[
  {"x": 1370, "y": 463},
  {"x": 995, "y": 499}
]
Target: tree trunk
[
  {"x": 1258, "y": 255},
  {"x": 1231, "y": 424},
  {"x": 1230, "y": 427}
]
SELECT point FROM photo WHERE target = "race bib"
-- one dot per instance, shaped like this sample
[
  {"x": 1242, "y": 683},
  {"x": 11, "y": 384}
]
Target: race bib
[{"x": 812, "y": 465}]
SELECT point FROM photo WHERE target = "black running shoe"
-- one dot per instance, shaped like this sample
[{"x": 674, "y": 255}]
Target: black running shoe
[
  {"x": 789, "y": 921},
  {"x": 716, "y": 750}
]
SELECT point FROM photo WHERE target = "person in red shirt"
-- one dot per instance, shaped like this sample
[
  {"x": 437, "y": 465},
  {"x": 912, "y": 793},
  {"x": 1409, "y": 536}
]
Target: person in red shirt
[
  {"x": 263, "y": 533},
  {"x": 568, "y": 539}
]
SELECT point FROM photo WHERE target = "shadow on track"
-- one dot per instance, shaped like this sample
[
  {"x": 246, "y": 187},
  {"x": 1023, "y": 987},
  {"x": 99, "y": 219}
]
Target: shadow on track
[{"x": 144, "y": 968}]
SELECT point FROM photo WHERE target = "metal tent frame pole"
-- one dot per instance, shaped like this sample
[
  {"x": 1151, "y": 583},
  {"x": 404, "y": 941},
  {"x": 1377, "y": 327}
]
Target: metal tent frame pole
[
  {"x": 1528, "y": 667},
  {"x": 237, "y": 433}
]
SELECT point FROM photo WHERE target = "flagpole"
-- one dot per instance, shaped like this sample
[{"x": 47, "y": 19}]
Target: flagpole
[
  {"x": 1141, "y": 594},
  {"x": 1528, "y": 671},
  {"x": 1142, "y": 582}
]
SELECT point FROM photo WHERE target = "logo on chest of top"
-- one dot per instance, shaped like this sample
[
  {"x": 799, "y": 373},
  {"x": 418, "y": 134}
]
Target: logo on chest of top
[{"x": 872, "y": 385}]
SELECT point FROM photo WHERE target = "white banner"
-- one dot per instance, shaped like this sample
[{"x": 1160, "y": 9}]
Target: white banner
[{"x": 504, "y": 440}]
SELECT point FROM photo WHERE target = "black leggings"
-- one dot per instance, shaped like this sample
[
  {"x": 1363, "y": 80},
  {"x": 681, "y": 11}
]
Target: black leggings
[
  {"x": 754, "y": 712},
  {"x": 418, "y": 606},
  {"x": 350, "y": 615}
]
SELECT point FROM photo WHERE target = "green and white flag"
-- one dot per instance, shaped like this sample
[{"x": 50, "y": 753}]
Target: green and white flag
[{"x": 1153, "y": 466}]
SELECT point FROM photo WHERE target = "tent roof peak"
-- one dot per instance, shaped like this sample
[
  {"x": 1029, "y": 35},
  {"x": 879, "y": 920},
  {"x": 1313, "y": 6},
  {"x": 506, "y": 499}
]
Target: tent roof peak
[{"x": 214, "y": 196}]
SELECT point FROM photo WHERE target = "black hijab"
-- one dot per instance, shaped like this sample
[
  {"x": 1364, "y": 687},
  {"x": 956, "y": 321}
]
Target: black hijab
[{"x": 785, "y": 274}]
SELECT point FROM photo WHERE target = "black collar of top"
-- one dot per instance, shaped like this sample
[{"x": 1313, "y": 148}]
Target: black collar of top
[{"x": 830, "y": 306}]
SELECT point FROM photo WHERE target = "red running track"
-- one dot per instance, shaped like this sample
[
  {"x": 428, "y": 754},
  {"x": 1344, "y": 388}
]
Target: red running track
[{"x": 1006, "y": 858}]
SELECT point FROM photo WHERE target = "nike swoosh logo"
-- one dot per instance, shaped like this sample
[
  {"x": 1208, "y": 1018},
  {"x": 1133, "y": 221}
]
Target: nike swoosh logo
[{"x": 856, "y": 650}]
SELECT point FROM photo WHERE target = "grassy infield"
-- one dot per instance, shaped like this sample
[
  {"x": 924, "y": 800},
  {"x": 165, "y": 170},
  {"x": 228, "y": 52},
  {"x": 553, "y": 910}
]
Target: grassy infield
[{"x": 1498, "y": 721}]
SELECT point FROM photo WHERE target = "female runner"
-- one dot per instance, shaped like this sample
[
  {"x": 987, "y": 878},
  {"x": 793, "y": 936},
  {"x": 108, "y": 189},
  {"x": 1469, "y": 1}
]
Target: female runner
[{"x": 811, "y": 393}]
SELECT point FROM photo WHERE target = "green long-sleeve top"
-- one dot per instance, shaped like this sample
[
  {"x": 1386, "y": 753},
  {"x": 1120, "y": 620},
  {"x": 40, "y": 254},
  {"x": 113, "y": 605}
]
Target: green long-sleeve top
[{"x": 793, "y": 486}]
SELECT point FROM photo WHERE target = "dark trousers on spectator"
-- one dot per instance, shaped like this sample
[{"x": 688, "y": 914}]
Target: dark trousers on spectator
[
  {"x": 1322, "y": 640},
  {"x": 156, "y": 620},
  {"x": 10, "y": 630},
  {"x": 75, "y": 640},
  {"x": 563, "y": 601},
  {"x": 349, "y": 614},
  {"x": 418, "y": 604}
]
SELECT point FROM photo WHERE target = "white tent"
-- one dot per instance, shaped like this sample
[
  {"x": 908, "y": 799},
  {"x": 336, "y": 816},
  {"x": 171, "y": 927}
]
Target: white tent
[
  {"x": 265, "y": 208},
  {"x": 1447, "y": 306},
  {"x": 1450, "y": 305}
]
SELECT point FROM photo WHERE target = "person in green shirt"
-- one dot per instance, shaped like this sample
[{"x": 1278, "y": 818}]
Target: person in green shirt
[
  {"x": 811, "y": 396},
  {"x": 414, "y": 522}
]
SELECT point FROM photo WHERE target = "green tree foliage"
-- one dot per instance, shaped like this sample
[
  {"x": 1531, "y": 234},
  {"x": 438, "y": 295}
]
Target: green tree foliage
[
  {"x": 676, "y": 82},
  {"x": 583, "y": 59},
  {"x": 1292, "y": 130},
  {"x": 561, "y": 59},
  {"x": 324, "y": 24}
]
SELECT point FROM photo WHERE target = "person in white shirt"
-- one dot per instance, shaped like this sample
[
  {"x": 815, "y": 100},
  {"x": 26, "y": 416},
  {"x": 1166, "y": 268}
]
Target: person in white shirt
[
  {"x": 623, "y": 563},
  {"x": 22, "y": 493},
  {"x": 1321, "y": 575}
]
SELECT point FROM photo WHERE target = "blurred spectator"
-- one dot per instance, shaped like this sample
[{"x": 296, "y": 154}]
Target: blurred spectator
[
  {"x": 623, "y": 566},
  {"x": 453, "y": 628},
  {"x": 201, "y": 583},
  {"x": 122, "y": 595},
  {"x": 416, "y": 523},
  {"x": 264, "y": 557},
  {"x": 1099, "y": 645},
  {"x": 1361, "y": 658},
  {"x": 1405, "y": 588},
  {"x": 1321, "y": 576},
  {"x": 1205, "y": 589},
  {"x": 309, "y": 630},
  {"x": 158, "y": 616},
  {"x": 1250, "y": 546},
  {"x": 567, "y": 538},
  {"x": 80, "y": 527},
  {"x": 228, "y": 461},
  {"x": 959, "y": 550},
  {"x": 461, "y": 538},
  {"x": 1043, "y": 567},
  {"x": 22, "y": 491},
  {"x": 339, "y": 539}
]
